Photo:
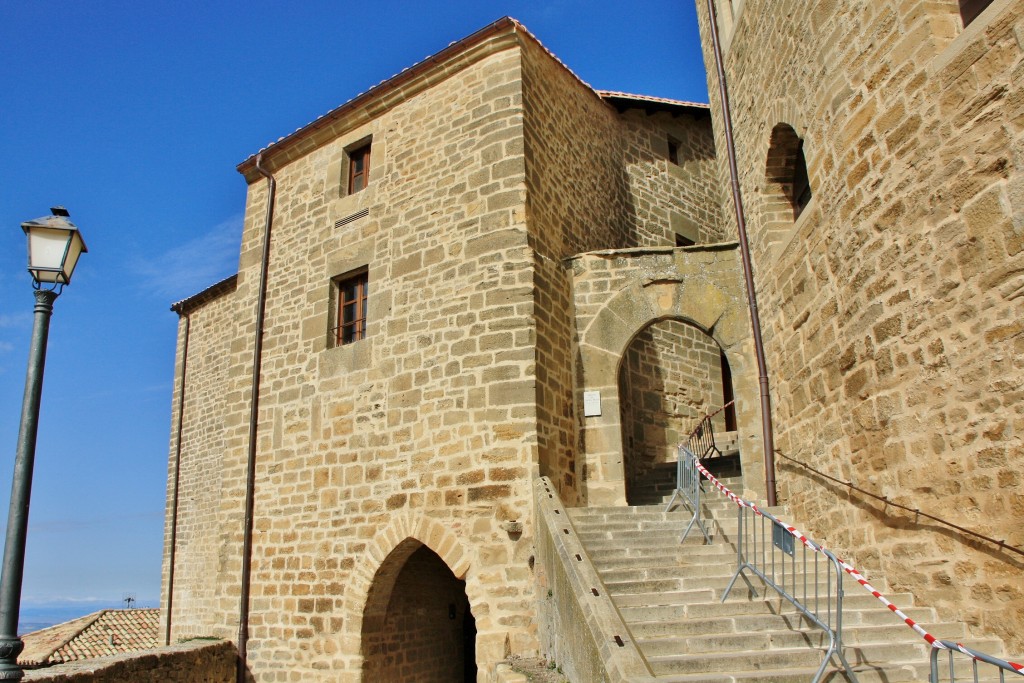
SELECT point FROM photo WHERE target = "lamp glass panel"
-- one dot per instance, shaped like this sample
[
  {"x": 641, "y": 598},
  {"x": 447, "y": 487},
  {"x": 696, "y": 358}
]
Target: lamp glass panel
[
  {"x": 46, "y": 251},
  {"x": 75, "y": 250}
]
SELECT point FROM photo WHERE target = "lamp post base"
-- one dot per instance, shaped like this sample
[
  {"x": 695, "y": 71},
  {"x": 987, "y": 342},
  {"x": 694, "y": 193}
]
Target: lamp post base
[{"x": 10, "y": 648}]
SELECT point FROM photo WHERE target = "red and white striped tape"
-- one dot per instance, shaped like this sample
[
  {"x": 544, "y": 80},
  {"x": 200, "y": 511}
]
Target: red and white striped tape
[{"x": 932, "y": 640}]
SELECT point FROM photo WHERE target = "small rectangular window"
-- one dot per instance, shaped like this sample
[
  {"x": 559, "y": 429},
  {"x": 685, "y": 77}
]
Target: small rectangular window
[
  {"x": 353, "y": 291},
  {"x": 358, "y": 168}
]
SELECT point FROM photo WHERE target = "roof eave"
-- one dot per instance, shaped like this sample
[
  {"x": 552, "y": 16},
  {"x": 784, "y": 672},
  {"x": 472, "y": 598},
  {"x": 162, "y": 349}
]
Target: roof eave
[{"x": 381, "y": 97}]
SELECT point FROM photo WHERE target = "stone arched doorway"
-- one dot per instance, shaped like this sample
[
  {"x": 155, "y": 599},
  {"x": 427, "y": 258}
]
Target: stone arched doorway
[
  {"x": 417, "y": 624},
  {"x": 699, "y": 287},
  {"x": 671, "y": 375}
]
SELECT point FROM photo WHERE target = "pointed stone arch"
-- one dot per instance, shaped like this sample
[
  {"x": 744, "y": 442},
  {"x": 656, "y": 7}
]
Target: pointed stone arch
[
  {"x": 373, "y": 578},
  {"x": 696, "y": 289}
]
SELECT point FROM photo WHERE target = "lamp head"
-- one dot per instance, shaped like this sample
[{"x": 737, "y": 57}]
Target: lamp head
[{"x": 54, "y": 246}]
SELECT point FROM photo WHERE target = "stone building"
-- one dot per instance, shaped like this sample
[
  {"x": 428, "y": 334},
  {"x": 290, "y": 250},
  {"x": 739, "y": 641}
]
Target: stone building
[
  {"x": 455, "y": 258},
  {"x": 880, "y": 151},
  {"x": 483, "y": 271}
]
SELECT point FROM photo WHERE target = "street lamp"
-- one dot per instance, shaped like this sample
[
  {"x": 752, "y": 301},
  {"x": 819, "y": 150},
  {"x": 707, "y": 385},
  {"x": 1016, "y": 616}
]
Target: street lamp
[{"x": 54, "y": 245}]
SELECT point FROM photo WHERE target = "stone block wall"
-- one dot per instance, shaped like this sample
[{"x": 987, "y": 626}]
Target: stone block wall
[
  {"x": 197, "y": 661},
  {"x": 666, "y": 197},
  {"x": 596, "y": 179},
  {"x": 489, "y": 165},
  {"x": 892, "y": 306},
  {"x": 215, "y": 360},
  {"x": 424, "y": 428}
]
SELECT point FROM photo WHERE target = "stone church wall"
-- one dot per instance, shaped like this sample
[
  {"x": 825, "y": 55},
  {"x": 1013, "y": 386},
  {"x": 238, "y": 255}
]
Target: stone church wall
[{"x": 892, "y": 306}]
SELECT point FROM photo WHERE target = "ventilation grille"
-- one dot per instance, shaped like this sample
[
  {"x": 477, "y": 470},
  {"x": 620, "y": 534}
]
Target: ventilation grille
[{"x": 362, "y": 213}]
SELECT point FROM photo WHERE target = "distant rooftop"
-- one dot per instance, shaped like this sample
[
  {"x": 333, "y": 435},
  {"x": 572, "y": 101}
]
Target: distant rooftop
[
  {"x": 624, "y": 100},
  {"x": 101, "y": 634}
]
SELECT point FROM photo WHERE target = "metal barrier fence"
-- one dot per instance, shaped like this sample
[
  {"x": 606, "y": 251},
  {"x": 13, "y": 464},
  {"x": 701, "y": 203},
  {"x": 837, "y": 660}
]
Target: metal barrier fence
[
  {"x": 979, "y": 662},
  {"x": 688, "y": 488},
  {"x": 805, "y": 574},
  {"x": 810, "y": 577}
]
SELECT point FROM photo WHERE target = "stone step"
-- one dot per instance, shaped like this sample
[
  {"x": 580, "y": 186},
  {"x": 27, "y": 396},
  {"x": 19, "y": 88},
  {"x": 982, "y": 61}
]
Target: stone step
[
  {"x": 642, "y": 627},
  {"x": 788, "y": 638},
  {"x": 784, "y": 658},
  {"x": 717, "y": 584},
  {"x": 703, "y": 604}
]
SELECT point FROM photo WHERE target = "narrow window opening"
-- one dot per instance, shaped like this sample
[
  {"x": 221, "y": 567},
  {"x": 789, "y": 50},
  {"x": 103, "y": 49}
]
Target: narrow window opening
[
  {"x": 970, "y": 9},
  {"x": 352, "y": 291},
  {"x": 673, "y": 150},
  {"x": 683, "y": 241},
  {"x": 801, "y": 184},
  {"x": 358, "y": 168}
]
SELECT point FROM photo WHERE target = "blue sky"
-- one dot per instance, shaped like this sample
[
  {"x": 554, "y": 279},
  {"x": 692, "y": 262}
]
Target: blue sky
[{"x": 133, "y": 115}]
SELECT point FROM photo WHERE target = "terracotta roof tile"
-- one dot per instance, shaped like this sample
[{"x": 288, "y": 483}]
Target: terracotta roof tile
[
  {"x": 613, "y": 95},
  {"x": 101, "y": 634}
]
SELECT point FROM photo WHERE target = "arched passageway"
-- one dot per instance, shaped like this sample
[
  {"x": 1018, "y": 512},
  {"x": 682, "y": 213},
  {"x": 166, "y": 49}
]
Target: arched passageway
[
  {"x": 671, "y": 375},
  {"x": 417, "y": 625}
]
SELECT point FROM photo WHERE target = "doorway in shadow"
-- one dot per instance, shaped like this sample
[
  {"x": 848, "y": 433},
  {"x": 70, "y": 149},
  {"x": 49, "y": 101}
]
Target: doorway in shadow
[
  {"x": 671, "y": 375},
  {"x": 417, "y": 625}
]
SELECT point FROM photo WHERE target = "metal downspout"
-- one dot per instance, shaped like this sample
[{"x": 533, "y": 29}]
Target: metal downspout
[
  {"x": 250, "y": 482},
  {"x": 177, "y": 474},
  {"x": 748, "y": 275}
]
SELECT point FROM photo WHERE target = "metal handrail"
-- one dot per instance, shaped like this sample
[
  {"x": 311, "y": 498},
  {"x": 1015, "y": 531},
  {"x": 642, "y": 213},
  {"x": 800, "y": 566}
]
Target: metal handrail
[
  {"x": 953, "y": 648},
  {"x": 701, "y": 440}
]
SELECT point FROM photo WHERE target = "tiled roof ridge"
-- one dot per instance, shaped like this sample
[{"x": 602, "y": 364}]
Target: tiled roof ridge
[
  {"x": 79, "y": 646},
  {"x": 211, "y": 292},
  {"x": 650, "y": 98},
  {"x": 26, "y": 659}
]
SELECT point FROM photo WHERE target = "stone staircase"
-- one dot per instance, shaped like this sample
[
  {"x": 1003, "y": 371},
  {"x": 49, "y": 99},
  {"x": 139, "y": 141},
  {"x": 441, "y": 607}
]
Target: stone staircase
[{"x": 669, "y": 595}]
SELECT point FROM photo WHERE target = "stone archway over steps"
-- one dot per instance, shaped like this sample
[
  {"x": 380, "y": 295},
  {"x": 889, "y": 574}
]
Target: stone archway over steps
[{"x": 702, "y": 286}]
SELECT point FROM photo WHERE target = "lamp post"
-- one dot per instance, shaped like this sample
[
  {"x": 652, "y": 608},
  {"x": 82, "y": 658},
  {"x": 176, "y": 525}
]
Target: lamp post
[{"x": 54, "y": 245}]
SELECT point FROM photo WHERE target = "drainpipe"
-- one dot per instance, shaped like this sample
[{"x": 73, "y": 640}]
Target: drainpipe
[
  {"x": 254, "y": 406},
  {"x": 748, "y": 275},
  {"x": 177, "y": 474}
]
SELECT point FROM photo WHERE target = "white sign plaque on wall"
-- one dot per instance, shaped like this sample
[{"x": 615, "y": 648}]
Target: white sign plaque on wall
[{"x": 591, "y": 404}]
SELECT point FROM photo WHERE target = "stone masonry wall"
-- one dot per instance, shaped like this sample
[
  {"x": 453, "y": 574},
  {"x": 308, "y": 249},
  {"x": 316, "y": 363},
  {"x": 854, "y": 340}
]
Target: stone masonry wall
[
  {"x": 892, "y": 307},
  {"x": 576, "y": 195},
  {"x": 664, "y": 195},
  {"x": 595, "y": 180},
  {"x": 427, "y": 426},
  {"x": 214, "y": 358},
  {"x": 197, "y": 661},
  {"x": 671, "y": 376}
]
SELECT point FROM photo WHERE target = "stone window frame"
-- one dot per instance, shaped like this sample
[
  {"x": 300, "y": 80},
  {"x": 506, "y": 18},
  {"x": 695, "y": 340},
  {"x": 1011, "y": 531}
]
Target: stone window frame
[
  {"x": 358, "y": 177},
  {"x": 729, "y": 13},
  {"x": 970, "y": 10},
  {"x": 969, "y": 33},
  {"x": 780, "y": 219},
  {"x": 359, "y": 281},
  {"x": 338, "y": 169},
  {"x": 786, "y": 173}
]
